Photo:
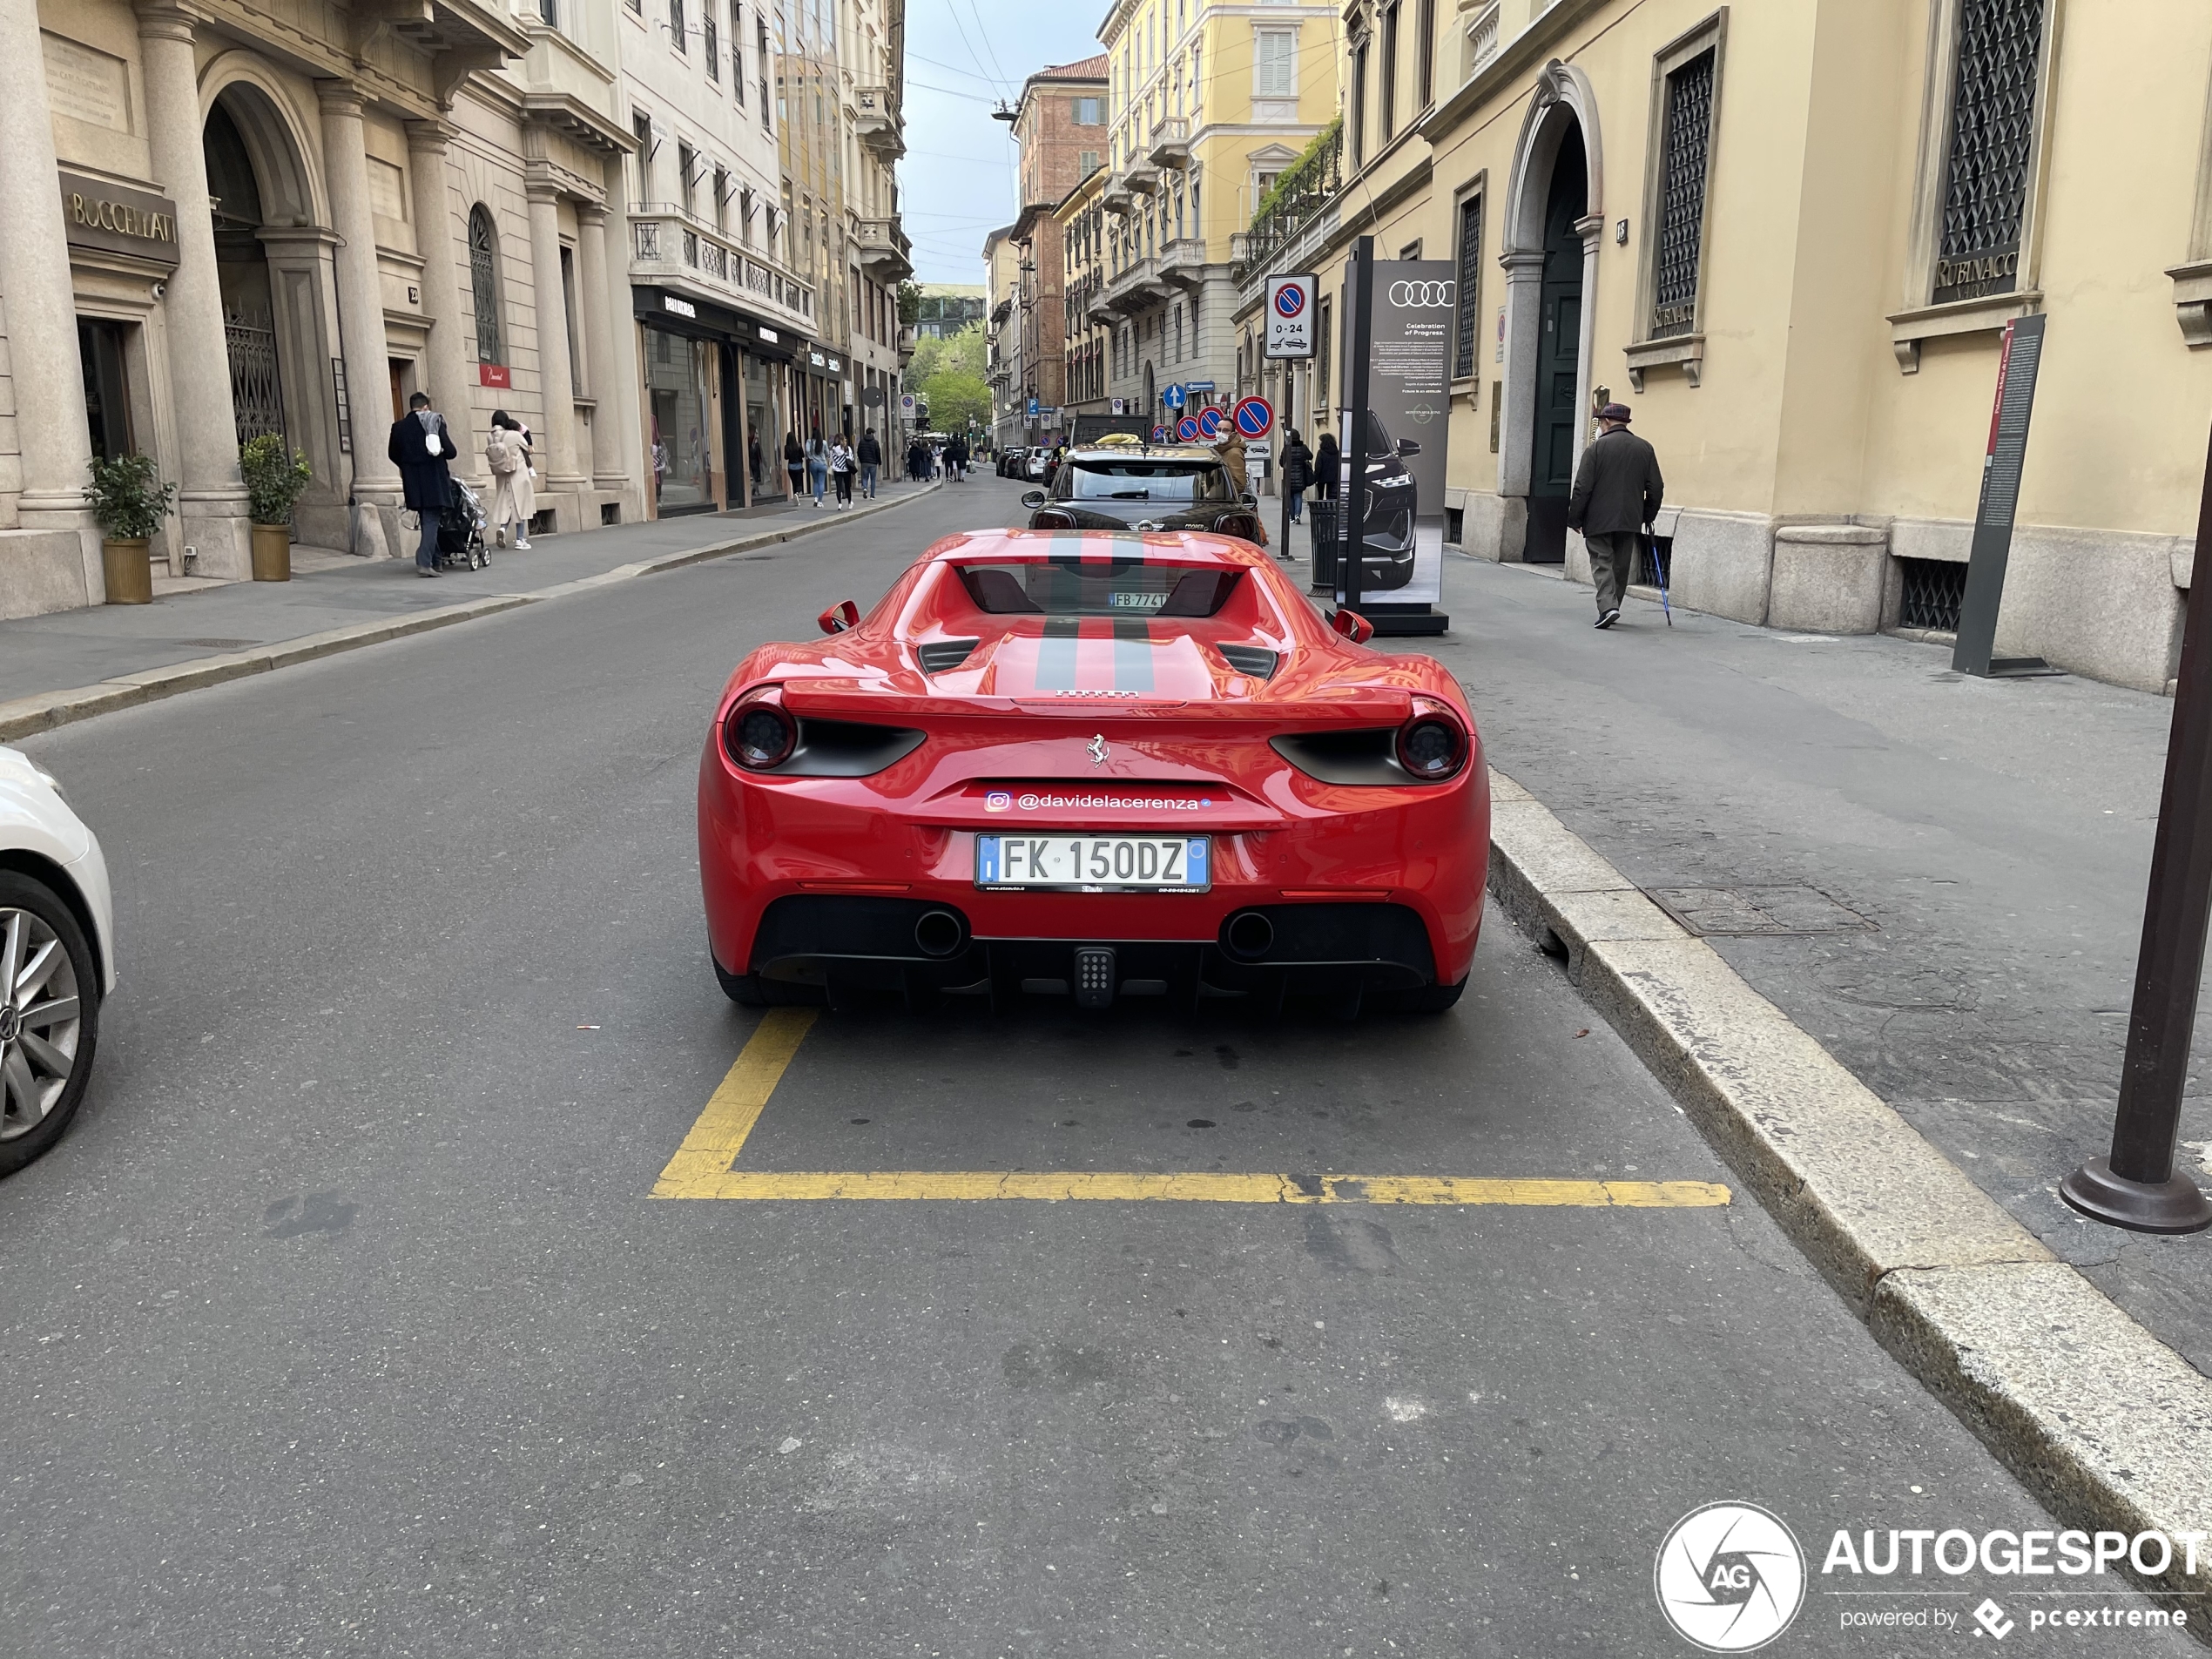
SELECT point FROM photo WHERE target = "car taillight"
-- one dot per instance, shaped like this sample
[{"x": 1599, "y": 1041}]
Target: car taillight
[
  {"x": 1432, "y": 745},
  {"x": 1242, "y": 524},
  {"x": 1051, "y": 518},
  {"x": 759, "y": 733}
]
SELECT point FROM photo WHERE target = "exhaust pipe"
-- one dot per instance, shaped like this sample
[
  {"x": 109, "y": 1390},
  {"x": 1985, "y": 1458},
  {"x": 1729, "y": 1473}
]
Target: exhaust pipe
[
  {"x": 939, "y": 932},
  {"x": 1249, "y": 935}
]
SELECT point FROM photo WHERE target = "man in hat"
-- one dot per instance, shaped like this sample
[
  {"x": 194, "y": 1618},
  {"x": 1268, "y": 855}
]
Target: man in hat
[{"x": 1616, "y": 494}]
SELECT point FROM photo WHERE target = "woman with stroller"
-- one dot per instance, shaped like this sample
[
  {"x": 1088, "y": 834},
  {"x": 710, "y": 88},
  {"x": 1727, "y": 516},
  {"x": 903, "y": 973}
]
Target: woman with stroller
[
  {"x": 840, "y": 465},
  {"x": 508, "y": 453}
]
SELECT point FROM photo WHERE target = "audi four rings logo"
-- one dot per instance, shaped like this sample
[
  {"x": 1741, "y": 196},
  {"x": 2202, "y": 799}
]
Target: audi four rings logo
[{"x": 1421, "y": 296}]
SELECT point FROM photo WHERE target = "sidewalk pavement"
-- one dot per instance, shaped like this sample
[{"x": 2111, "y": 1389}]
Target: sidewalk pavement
[
  {"x": 1977, "y": 852},
  {"x": 74, "y": 664}
]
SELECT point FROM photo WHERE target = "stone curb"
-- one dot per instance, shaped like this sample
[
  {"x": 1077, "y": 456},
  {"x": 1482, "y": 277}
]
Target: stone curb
[
  {"x": 2106, "y": 1424},
  {"x": 43, "y": 711}
]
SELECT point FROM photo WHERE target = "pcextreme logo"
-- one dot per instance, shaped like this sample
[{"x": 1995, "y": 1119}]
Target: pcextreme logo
[{"x": 1729, "y": 1577}]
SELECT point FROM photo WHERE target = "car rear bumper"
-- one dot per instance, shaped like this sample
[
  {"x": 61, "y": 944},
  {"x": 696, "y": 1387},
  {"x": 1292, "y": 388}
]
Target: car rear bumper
[{"x": 814, "y": 886}]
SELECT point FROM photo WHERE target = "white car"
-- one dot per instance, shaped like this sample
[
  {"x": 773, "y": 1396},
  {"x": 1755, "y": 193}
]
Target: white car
[{"x": 56, "y": 958}]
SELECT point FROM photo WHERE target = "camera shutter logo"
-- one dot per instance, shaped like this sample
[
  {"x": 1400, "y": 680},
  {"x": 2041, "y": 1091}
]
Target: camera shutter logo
[
  {"x": 1422, "y": 296},
  {"x": 1729, "y": 1577}
]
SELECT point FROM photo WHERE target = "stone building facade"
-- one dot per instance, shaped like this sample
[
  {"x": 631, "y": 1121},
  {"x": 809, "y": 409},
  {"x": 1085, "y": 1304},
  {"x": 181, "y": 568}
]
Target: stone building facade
[
  {"x": 223, "y": 223},
  {"x": 1790, "y": 235}
]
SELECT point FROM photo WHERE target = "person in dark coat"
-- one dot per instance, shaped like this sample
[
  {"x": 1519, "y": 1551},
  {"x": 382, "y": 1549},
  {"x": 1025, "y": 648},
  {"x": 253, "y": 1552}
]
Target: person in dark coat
[
  {"x": 421, "y": 447},
  {"x": 794, "y": 464},
  {"x": 1617, "y": 490},
  {"x": 1298, "y": 473},
  {"x": 871, "y": 455},
  {"x": 1327, "y": 467}
]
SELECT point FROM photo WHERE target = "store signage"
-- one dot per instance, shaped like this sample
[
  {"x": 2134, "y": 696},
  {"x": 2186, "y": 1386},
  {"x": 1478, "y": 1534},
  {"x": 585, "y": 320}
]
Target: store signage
[
  {"x": 834, "y": 366},
  {"x": 768, "y": 334},
  {"x": 117, "y": 220},
  {"x": 681, "y": 308},
  {"x": 815, "y": 358},
  {"x": 1290, "y": 316},
  {"x": 493, "y": 374}
]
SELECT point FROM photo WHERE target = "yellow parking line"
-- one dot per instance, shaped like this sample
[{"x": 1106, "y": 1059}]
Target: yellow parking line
[
  {"x": 701, "y": 1166},
  {"x": 704, "y": 1160}
]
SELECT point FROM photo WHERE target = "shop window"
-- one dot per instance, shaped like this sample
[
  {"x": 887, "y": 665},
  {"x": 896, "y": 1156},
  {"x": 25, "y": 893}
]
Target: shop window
[
  {"x": 676, "y": 373},
  {"x": 484, "y": 280},
  {"x": 107, "y": 404}
]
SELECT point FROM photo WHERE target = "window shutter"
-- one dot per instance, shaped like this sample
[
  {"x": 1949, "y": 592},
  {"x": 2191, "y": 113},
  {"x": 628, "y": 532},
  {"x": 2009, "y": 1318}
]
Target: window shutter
[{"x": 1272, "y": 65}]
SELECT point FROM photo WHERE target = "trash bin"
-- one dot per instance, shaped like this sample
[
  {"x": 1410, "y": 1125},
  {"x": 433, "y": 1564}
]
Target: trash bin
[{"x": 1321, "y": 515}]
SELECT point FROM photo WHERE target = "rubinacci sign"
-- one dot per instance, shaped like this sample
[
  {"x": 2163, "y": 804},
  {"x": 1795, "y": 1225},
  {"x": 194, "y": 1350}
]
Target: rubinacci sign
[{"x": 116, "y": 219}]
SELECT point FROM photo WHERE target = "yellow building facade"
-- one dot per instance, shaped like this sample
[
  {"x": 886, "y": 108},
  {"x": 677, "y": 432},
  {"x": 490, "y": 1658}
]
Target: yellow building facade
[
  {"x": 1209, "y": 103},
  {"x": 1790, "y": 235}
]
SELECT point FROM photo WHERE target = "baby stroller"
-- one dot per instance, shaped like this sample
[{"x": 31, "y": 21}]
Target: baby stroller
[{"x": 460, "y": 532}]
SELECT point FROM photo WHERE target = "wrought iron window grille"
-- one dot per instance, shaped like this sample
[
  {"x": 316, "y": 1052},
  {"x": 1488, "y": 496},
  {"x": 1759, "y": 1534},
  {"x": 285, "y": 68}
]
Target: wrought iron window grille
[
  {"x": 1682, "y": 198},
  {"x": 1991, "y": 148}
]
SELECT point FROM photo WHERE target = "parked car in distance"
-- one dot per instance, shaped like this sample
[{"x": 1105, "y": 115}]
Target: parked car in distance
[
  {"x": 1127, "y": 485},
  {"x": 56, "y": 958},
  {"x": 1010, "y": 458}
]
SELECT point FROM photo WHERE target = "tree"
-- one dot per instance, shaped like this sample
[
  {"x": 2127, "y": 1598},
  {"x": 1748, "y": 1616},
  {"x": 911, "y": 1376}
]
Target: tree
[{"x": 950, "y": 374}]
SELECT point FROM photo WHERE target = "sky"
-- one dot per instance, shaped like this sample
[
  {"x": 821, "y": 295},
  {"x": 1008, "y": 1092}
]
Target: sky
[{"x": 957, "y": 181}]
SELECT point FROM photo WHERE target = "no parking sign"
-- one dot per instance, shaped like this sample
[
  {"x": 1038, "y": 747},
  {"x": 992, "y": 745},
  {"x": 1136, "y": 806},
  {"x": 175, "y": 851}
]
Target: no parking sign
[
  {"x": 1159, "y": 435},
  {"x": 1255, "y": 416},
  {"x": 1209, "y": 423},
  {"x": 1187, "y": 429}
]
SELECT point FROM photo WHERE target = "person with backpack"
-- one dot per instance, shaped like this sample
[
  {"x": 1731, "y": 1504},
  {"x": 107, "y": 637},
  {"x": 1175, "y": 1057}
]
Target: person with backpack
[
  {"x": 421, "y": 447},
  {"x": 841, "y": 466},
  {"x": 507, "y": 451},
  {"x": 1328, "y": 468},
  {"x": 871, "y": 453}
]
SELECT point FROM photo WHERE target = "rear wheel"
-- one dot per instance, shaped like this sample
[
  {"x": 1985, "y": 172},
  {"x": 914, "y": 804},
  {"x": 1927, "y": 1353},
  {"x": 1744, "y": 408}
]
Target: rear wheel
[{"x": 49, "y": 1018}]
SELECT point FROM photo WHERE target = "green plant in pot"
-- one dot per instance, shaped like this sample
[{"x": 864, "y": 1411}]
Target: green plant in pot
[
  {"x": 274, "y": 482},
  {"x": 129, "y": 500}
]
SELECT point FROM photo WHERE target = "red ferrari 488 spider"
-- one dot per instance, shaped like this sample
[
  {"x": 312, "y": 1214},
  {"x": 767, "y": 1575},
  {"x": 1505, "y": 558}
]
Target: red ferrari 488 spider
[{"x": 1092, "y": 764}]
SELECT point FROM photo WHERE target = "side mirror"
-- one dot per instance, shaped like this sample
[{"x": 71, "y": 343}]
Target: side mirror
[
  {"x": 1351, "y": 625},
  {"x": 1033, "y": 498},
  {"x": 839, "y": 617},
  {"x": 1409, "y": 446},
  {"x": 1249, "y": 499}
]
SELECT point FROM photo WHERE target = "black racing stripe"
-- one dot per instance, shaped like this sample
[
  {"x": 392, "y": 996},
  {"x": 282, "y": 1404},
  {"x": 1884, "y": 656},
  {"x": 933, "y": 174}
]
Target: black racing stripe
[
  {"x": 1056, "y": 656},
  {"x": 1132, "y": 654}
]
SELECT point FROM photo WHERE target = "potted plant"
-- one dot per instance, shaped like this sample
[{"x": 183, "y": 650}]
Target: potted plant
[
  {"x": 274, "y": 480},
  {"x": 128, "y": 502}
]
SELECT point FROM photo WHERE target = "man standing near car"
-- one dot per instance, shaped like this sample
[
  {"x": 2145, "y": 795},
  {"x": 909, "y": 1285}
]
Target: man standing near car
[
  {"x": 421, "y": 448},
  {"x": 1617, "y": 490}
]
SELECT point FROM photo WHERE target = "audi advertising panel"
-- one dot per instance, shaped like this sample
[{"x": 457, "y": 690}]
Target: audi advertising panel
[{"x": 1408, "y": 404}]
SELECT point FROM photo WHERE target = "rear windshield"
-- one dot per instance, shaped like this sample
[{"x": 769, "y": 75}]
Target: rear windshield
[
  {"x": 1098, "y": 589},
  {"x": 1145, "y": 481}
]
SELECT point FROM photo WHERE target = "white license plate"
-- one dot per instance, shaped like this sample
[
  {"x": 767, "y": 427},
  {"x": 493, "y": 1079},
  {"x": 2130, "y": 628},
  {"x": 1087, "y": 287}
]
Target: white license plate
[{"x": 1095, "y": 863}]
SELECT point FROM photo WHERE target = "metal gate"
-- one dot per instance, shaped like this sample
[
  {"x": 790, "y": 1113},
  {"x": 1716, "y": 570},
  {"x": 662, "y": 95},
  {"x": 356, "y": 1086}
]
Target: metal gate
[{"x": 257, "y": 395}]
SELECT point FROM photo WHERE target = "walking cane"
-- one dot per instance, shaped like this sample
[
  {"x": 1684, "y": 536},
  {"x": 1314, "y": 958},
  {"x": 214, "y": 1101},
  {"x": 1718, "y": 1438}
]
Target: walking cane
[{"x": 1659, "y": 569}]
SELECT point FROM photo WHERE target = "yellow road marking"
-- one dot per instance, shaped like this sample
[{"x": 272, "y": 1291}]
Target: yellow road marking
[
  {"x": 701, "y": 1166},
  {"x": 704, "y": 1160}
]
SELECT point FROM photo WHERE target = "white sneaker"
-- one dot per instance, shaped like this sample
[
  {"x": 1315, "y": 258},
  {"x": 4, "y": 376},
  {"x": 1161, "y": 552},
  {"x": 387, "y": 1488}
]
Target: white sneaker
[{"x": 521, "y": 546}]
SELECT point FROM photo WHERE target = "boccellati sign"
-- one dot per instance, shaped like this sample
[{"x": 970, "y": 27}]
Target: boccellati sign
[{"x": 117, "y": 220}]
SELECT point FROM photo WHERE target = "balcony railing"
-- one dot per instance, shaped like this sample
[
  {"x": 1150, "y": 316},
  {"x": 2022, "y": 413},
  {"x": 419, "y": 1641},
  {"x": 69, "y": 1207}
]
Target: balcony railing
[
  {"x": 1114, "y": 197},
  {"x": 885, "y": 254},
  {"x": 1482, "y": 37},
  {"x": 876, "y": 123},
  {"x": 1302, "y": 193},
  {"x": 663, "y": 243},
  {"x": 1183, "y": 261},
  {"x": 1170, "y": 142}
]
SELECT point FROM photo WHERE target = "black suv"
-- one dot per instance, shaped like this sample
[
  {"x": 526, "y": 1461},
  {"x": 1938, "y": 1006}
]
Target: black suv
[
  {"x": 1386, "y": 539},
  {"x": 1145, "y": 487}
]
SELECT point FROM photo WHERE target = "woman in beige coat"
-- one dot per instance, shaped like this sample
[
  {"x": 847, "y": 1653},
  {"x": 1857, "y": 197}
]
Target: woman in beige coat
[{"x": 508, "y": 452}]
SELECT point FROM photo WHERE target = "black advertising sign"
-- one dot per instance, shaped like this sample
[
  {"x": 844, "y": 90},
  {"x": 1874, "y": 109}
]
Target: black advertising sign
[
  {"x": 2001, "y": 490},
  {"x": 1409, "y": 386}
]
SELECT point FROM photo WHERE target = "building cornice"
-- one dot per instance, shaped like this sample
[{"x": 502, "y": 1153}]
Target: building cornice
[{"x": 1527, "y": 47}]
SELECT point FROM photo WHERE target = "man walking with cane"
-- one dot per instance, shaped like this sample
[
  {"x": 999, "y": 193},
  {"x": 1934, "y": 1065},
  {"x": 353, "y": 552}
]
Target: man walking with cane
[{"x": 1616, "y": 494}]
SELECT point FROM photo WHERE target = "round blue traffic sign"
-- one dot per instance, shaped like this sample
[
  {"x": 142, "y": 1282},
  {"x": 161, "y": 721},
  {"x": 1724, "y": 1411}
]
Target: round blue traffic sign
[
  {"x": 1210, "y": 422},
  {"x": 1255, "y": 415},
  {"x": 1187, "y": 429},
  {"x": 1159, "y": 435},
  {"x": 1173, "y": 397},
  {"x": 1290, "y": 299}
]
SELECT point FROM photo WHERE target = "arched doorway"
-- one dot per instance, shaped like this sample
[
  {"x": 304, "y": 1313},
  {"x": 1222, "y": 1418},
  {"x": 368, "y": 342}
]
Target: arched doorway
[
  {"x": 1555, "y": 209},
  {"x": 279, "y": 308}
]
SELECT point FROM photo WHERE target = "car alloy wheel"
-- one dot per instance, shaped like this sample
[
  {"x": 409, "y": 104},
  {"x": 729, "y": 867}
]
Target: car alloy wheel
[{"x": 42, "y": 1021}]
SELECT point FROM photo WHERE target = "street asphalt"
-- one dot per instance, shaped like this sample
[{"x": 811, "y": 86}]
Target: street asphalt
[
  {"x": 343, "y": 1322},
  {"x": 1987, "y": 845}
]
